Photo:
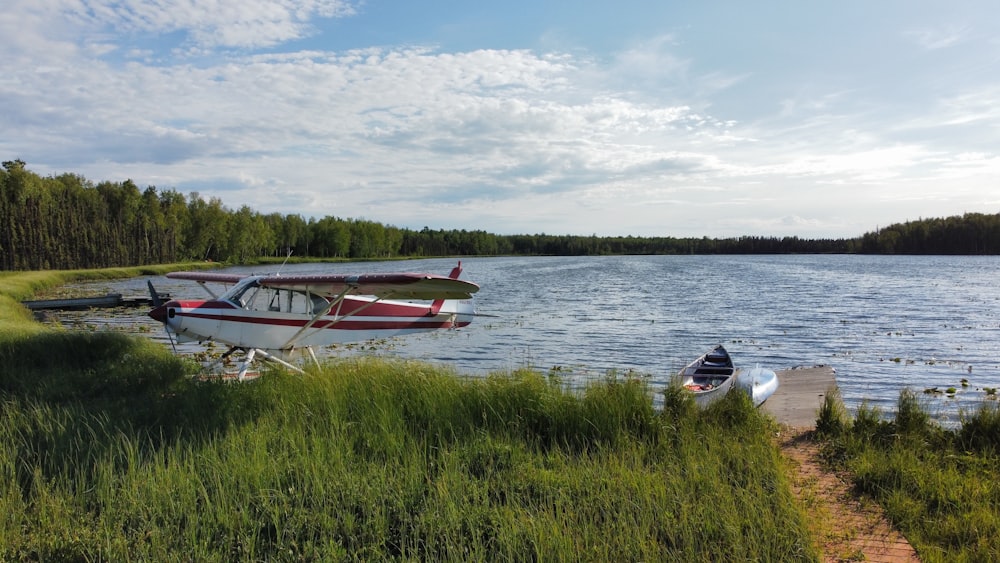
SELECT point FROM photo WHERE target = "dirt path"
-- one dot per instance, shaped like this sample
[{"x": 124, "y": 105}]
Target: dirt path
[{"x": 847, "y": 528}]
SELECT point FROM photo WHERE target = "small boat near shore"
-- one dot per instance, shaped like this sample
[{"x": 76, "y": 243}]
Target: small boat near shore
[
  {"x": 759, "y": 383},
  {"x": 709, "y": 377},
  {"x": 713, "y": 375}
]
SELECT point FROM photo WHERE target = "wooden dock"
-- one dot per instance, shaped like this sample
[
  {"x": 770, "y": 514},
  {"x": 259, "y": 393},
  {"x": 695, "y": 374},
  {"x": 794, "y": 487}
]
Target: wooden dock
[
  {"x": 83, "y": 303},
  {"x": 800, "y": 393}
]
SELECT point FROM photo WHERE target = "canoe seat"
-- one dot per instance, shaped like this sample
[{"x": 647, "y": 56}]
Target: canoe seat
[{"x": 713, "y": 370}]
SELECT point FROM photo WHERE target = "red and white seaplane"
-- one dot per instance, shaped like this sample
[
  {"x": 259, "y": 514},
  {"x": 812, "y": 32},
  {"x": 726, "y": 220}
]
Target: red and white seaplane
[{"x": 276, "y": 316}]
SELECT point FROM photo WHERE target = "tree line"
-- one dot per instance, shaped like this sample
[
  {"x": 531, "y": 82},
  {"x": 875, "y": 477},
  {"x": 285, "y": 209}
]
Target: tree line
[
  {"x": 971, "y": 233},
  {"x": 67, "y": 222}
]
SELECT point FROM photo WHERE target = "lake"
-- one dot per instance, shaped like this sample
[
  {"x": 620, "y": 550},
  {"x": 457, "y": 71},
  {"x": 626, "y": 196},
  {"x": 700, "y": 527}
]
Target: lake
[{"x": 883, "y": 322}]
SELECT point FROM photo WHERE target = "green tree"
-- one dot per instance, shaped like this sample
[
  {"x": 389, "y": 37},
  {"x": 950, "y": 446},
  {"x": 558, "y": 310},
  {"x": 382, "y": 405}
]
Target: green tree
[
  {"x": 175, "y": 218},
  {"x": 205, "y": 232}
]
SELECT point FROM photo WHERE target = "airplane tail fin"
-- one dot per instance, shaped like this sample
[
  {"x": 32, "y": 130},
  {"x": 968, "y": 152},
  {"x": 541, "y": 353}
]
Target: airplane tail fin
[{"x": 455, "y": 272}]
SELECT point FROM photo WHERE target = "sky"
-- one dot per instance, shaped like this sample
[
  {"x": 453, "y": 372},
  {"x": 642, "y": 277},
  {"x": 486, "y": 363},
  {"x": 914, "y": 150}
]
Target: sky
[{"x": 645, "y": 118}]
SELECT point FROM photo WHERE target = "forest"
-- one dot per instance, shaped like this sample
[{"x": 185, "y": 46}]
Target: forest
[{"x": 68, "y": 222}]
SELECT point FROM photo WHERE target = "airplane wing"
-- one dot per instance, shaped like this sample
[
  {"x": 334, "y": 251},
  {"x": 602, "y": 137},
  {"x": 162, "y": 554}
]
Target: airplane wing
[
  {"x": 388, "y": 286},
  {"x": 211, "y": 277}
]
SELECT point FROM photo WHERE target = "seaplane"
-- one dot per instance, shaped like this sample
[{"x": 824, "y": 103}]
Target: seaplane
[{"x": 277, "y": 317}]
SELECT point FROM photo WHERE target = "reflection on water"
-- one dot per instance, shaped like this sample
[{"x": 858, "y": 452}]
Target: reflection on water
[{"x": 884, "y": 323}]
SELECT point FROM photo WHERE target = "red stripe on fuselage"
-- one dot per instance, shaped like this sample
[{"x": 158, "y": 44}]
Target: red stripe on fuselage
[{"x": 413, "y": 317}]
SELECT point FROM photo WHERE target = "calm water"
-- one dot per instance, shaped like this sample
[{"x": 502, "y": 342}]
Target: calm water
[{"x": 884, "y": 323}]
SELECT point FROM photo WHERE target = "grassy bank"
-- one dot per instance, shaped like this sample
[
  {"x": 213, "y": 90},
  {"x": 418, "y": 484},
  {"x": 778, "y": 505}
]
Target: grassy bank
[
  {"x": 108, "y": 451},
  {"x": 939, "y": 486},
  {"x": 370, "y": 460}
]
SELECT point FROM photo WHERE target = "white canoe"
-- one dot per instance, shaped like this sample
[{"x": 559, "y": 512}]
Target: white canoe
[
  {"x": 712, "y": 375},
  {"x": 709, "y": 377}
]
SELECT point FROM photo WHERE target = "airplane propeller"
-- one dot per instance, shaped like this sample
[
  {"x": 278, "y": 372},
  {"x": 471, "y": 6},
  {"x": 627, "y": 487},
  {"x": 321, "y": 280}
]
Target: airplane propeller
[
  {"x": 158, "y": 302},
  {"x": 153, "y": 295}
]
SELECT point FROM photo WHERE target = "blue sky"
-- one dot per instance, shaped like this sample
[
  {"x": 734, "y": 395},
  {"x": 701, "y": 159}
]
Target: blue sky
[{"x": 658, "y": 118}]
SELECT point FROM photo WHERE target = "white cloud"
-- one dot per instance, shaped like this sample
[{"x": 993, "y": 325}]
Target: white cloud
[
  {"x": 933, "y": 38},
  {"x": 220, "y": 23},
  {"x": 511, "y": 140}
]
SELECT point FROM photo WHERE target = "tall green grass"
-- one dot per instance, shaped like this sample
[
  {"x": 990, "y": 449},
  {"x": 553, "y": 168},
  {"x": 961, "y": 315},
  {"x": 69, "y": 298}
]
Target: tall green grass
[
  {"x": 938, "y": 485},
  {"x": 109, "y": 451},
  {"x": 373, "y": 460}
]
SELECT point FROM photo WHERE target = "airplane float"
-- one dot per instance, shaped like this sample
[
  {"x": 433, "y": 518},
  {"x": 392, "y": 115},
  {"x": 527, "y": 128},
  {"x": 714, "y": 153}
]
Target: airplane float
[{"x": 276, "y": 316}]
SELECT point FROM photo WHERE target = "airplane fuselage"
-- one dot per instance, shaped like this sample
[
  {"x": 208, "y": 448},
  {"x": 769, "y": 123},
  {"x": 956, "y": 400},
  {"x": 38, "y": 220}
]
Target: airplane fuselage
[
  {"x": 222, "y": 321},
  {"x": 251, "y": 316}
]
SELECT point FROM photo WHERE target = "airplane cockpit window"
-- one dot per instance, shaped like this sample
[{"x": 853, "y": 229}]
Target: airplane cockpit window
[
  {"x": 318, "y": 302},
  {"x": 287, "y": 301},
  {"x": 247, "y": 296}
]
